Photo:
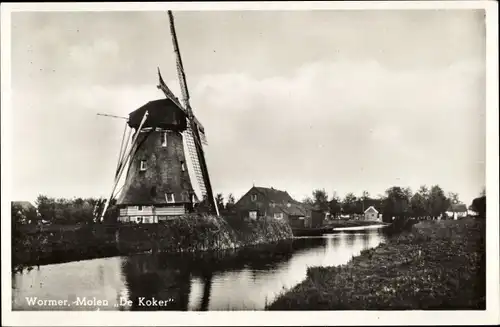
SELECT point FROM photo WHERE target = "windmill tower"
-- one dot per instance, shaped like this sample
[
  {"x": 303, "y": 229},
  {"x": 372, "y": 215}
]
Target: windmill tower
[{"x": 167, "y": 136}]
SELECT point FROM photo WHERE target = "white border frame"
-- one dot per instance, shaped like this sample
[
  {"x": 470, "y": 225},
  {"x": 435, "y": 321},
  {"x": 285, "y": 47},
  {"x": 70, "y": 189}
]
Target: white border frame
[{"x": 490, "y": 316}]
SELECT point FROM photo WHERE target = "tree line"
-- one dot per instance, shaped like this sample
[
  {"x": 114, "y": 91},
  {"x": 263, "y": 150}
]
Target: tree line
[
  {"x": 430, "y": 202},
  {"x": 426, "y": 202},
  {"x": 62, "y": 211}
]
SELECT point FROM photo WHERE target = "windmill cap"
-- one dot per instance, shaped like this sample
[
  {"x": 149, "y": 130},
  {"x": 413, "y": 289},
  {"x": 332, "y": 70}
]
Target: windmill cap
[{"x": 163, "y": 113}]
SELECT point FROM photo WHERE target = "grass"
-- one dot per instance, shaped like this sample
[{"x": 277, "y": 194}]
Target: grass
[{"x": 436, "y": 265}]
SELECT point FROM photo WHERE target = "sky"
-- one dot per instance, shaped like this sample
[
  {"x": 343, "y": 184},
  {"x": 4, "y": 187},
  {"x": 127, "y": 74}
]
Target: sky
[{"x": 348, "y": 101}]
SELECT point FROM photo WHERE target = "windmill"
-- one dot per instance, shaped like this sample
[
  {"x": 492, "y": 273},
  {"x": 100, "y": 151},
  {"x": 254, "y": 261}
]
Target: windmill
[{"x": 158, "y": 182}]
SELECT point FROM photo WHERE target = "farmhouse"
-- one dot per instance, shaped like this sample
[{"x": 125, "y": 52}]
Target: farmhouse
[{"x": 270, "y": 202}]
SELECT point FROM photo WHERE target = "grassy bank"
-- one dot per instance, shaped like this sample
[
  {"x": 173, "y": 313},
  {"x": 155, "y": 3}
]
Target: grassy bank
[
  {"x": 436, "y": 265},
  {"x": 196, "y": 232},
  {"x": 33, "y": 245},
  {"x": 38, "y": 245}
]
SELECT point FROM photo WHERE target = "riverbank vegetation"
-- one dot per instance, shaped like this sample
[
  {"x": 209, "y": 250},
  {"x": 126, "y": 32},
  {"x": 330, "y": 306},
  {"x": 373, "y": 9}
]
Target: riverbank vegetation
[
  {"x": 44, "y": 244},
  {"x": 38, "y": 245},
  {"x": 436, "y": 265},
  {"x": 201, "y": 232}
]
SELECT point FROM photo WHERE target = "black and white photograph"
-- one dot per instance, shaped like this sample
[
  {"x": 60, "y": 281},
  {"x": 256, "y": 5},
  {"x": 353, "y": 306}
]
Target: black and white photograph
[{"x": 250, "y": 163}]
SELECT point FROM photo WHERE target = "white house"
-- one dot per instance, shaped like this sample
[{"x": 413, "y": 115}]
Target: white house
[
  {"x": 457, "y": 211},
  {"x": 372, "y": 214}
]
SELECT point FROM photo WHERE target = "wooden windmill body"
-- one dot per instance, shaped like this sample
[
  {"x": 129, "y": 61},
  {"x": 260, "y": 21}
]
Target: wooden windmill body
[{"x": 167, "y": 173}]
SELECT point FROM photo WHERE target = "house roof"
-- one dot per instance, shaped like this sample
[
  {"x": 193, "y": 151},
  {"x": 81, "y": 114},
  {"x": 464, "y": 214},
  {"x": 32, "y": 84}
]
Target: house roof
[
  {"x": 274, "y": 195},
  {"x": 26, "y": 205},
  {"x": 282, "y": 200},
  {"x": 371, "y": 207},
  {"x": 457, "y": 207},
  {"x": 295, "y": 209}
]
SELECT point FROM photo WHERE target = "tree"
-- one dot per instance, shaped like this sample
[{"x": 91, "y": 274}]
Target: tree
[
  {"x": 419, "y": 205},
  {"x": 320, "y": 198},
  {"x": 408, "y": 192},
  {"x": 419, "y": 202},
  {"x": 396, "y": 204},
  {"x": 219, "y": 200},
  {"x": 335, "y": 205},
  {"x": 424, "y": 194},
  {"x": 230, "y": 202},
  {"x": 364, "y": 196},
  {"x": 479, "y": 206},
  {"x": 453, "y": 197},
  {"x": 308, "y": 201},
  {"x": 16, "y": 211},
  {"x": 349, "y": 203},
  {"x": 423, "y": 190},
  {"x": 46, "y": 207},
  {"x": 62, "y": 212},
  {"x": 438, "y": 202},
  {"x": 483, "y": 192}
]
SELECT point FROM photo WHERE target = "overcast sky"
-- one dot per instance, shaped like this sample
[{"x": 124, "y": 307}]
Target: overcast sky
[{"x": 341, "y": 100}]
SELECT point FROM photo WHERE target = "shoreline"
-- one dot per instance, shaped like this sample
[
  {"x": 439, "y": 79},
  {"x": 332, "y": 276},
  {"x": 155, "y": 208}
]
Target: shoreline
[
  {"x": 337, "y": 226},
  {"x": 435, "y": 265},
  {"x": 356, "y": 228},
  {"x": 197, "y": 233}
]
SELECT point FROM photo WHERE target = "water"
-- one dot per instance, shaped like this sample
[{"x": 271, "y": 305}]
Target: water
[{"x": 242, "y": 280}]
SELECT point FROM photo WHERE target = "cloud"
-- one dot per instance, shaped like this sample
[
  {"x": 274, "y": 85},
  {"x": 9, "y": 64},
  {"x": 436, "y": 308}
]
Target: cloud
[
  {"x": 349, "y": 126},
  {"x": 329, "y": 121},
  {"x": 99, "y": 50}
]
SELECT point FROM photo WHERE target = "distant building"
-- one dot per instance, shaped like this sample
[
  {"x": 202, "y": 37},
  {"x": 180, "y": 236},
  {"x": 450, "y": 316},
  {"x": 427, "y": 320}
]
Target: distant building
[
  {"x": 270, "y": 202},
  {"x": 372, "y": 214},
  {"x": 457, "y": 211}
]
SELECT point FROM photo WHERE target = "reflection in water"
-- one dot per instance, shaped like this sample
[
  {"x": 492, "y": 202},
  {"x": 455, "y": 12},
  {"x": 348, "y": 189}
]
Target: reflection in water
[
  {"x": 235, "y": 280},
  {"x": 151, "y": 280},
  {"x": 81, "y": 282},
  {"x": 207, "y": 283}
]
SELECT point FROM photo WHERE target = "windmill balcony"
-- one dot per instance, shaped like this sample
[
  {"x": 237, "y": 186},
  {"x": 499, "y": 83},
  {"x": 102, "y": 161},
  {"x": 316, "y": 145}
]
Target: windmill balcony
[{"x": 150, "y": 214}]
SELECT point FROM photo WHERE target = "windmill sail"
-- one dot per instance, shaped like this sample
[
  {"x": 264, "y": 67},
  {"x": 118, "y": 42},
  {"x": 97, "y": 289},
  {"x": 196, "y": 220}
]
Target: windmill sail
[
  {"x": 168, "y": 93},
  {"x": 203, "y": 137},
  {"x": 196, "y": 132}
]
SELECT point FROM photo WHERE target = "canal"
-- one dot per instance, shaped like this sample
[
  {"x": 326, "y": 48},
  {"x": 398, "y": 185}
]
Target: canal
[{"x": 238, "y": 280}]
